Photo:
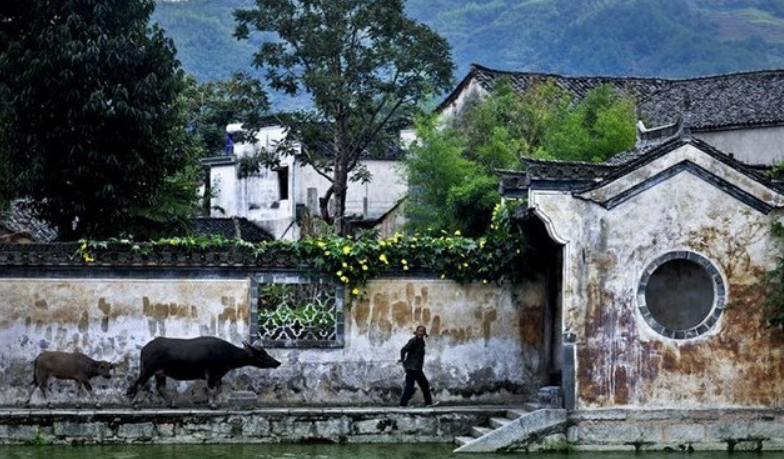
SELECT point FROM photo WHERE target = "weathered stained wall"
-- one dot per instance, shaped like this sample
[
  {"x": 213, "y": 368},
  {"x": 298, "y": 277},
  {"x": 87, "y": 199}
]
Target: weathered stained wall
[
  {"x": 484, "y": 345},
  {"x": 108, "y": 319},
  {"x": 620, "y": 360}
]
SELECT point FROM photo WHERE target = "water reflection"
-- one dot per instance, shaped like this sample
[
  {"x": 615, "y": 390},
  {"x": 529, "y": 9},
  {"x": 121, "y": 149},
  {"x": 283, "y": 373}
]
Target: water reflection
[{"x": 395, "y": 451}]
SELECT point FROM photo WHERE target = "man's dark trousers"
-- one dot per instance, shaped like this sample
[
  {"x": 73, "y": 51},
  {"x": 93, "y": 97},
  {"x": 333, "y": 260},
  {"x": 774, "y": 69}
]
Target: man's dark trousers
[{"x": 408, "y": 390}]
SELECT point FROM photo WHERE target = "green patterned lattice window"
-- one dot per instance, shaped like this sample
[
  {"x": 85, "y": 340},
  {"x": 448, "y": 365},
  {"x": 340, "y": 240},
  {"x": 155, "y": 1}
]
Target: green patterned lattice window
[{"x": 299, "y": 314}]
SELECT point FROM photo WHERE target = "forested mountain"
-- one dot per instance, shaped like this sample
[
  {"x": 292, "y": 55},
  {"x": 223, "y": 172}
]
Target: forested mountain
[{"x": 668, "y": 38}]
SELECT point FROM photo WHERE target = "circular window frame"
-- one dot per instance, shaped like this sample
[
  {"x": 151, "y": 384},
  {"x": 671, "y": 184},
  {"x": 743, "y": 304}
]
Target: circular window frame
[{"x": 719, "y": 296}]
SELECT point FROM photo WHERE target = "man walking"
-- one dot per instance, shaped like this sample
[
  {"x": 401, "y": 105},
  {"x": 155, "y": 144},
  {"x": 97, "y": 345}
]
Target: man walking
[{"x": 412, "y": 356}]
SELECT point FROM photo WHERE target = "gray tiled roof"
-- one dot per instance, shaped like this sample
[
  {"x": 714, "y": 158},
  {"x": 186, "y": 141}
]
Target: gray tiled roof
[
  {"x": 19, "y": 219},
  {"x": 647, "y": 142},
  {"x": 740, "y": 99},
  {"x": 553, "y": 174},
  {"x": 743, "y": 99},
  {"x": 582, "y": 176},
  {"x": 230, "y": 228},
  {"x": 578, "y": 85}
]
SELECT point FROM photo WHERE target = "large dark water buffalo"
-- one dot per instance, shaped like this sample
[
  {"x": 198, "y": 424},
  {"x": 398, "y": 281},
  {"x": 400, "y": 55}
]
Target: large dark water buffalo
[{"x": 206, "y": 358}]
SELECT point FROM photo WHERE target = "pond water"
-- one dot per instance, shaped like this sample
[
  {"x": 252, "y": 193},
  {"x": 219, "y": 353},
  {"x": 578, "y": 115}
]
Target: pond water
[{"x": 396, "y": 451}]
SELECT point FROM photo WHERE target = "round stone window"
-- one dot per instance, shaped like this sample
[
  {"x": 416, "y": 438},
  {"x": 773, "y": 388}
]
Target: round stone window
[{"x": 681, "y": 295}]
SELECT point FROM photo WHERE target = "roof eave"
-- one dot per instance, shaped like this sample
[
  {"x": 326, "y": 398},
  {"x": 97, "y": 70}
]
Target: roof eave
[
  {"x": 219, "y": 160},
  {"x": 737, "y": 126}
]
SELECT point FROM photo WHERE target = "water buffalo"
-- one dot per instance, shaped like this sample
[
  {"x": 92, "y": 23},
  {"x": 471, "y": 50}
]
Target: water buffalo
[
  {"x": 206, "y": 358},
  {"x": 67, "y": 365}
]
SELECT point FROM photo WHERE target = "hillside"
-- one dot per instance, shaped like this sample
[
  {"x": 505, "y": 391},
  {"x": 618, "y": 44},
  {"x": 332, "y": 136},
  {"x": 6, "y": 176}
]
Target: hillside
[{"x": 667, "y": 38}]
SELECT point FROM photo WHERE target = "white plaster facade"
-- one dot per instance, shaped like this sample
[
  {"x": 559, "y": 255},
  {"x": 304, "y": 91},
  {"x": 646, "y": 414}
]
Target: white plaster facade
[{"x": 268, "y": 202}]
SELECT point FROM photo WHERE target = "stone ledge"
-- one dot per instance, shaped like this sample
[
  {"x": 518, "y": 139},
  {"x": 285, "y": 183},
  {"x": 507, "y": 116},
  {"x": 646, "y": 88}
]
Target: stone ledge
[
  {"x": 733, "y": 429},
  {"x": 696, "y": 413},
  {"x": 264, "y": 425}
]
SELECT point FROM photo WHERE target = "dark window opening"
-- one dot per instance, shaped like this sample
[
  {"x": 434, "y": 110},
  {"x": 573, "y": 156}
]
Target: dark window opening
[
  {"x": 283, "y": 183},
  {"x": 681, "y": 295}
]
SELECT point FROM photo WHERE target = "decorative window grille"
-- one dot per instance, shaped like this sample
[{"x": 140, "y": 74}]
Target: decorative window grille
[{"x": 293, "y": 311}]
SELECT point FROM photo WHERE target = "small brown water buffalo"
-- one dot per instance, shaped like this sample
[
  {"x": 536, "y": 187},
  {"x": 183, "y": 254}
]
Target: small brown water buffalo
[
  {"x": 206, "y": 358},
  {"x": 67, "y": 365}
]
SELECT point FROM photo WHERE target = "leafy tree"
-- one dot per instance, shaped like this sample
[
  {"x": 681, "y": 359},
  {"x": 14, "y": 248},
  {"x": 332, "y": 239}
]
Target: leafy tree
[
  {"x": 365, "y": 65},
  {"x": 95, "y": 129},
  {"x": 211, "y": 106},
  {"x": 472, "y": 202},
  {"x": 449, "y": 189},
  {"x": 594, "y": 129},
  {"x": 434, "y": 166},
  {"x": 6, "y": 176},
  {"x": 506, "y": 126},
  {"x": 451, "y": 170}
]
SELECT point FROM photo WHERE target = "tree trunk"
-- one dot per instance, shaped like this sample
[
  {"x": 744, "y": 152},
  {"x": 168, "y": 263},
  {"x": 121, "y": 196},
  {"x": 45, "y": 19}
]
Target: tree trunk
[
  {"x": 340, "y": 176},
  {"x": 324, "y": 205},
  {"x": 340, "y": 185}
]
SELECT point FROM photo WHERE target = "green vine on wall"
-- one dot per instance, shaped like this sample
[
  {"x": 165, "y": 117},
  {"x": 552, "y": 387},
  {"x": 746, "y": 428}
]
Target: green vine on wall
[{"x": 498, "y": 257}]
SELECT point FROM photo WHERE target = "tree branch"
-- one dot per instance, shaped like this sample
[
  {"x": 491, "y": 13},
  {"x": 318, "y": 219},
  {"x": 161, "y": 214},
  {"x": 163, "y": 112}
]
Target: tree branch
[{"x": 304, "y": 151}]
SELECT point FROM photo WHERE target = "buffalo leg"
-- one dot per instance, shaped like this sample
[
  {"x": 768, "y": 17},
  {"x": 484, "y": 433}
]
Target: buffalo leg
[
  {"x": 33, "y": 386},
  {"x": 214, "y": 385},
  {"x": 40, "y": 383},
  {"x": 160, "y": 385},
  {"x": 133, "y": 391},
  {"x": 89, "y": 388},
  {"x": 78, "y": 393}
]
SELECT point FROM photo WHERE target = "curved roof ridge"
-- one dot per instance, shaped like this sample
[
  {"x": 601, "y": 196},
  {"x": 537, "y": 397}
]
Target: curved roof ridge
[
  {"x": 482, "y": 68},
  {"x": 479, "y": 67},
  {"x": 563, "y": 162}
]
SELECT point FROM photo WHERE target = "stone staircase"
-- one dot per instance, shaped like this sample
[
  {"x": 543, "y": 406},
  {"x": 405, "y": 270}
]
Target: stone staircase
[
  {"x": 494, "y": 423},
  {"x": 518, "y": 428}
]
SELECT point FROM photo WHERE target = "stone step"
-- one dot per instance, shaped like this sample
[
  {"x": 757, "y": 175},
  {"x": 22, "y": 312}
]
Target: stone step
[
  {"x": 528, "y": 428},
  {"x": 499, "y": 422},
  {"x": 463, "y": 440},
  {"x": 477, "y": 431},
  {"x": 514, "y": 414}
]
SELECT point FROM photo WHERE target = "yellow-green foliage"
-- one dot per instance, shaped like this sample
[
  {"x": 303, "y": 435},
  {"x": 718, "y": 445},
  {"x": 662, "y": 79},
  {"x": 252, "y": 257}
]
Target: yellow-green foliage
[{"x": 497, "y": 257}]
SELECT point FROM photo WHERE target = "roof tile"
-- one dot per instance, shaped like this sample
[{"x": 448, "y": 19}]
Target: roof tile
[{"x": 721, "y": 101}]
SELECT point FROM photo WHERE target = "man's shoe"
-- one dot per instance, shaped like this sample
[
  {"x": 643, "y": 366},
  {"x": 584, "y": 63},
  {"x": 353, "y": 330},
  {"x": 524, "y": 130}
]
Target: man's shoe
[{"x": 433, "y": 404}]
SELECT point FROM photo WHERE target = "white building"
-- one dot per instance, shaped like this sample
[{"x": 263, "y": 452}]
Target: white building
[{"x": 275, "y": 198}]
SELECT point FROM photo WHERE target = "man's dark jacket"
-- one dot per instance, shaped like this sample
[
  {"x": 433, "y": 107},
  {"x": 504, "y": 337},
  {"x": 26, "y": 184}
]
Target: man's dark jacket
[{"x": 413, "y": 354}]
